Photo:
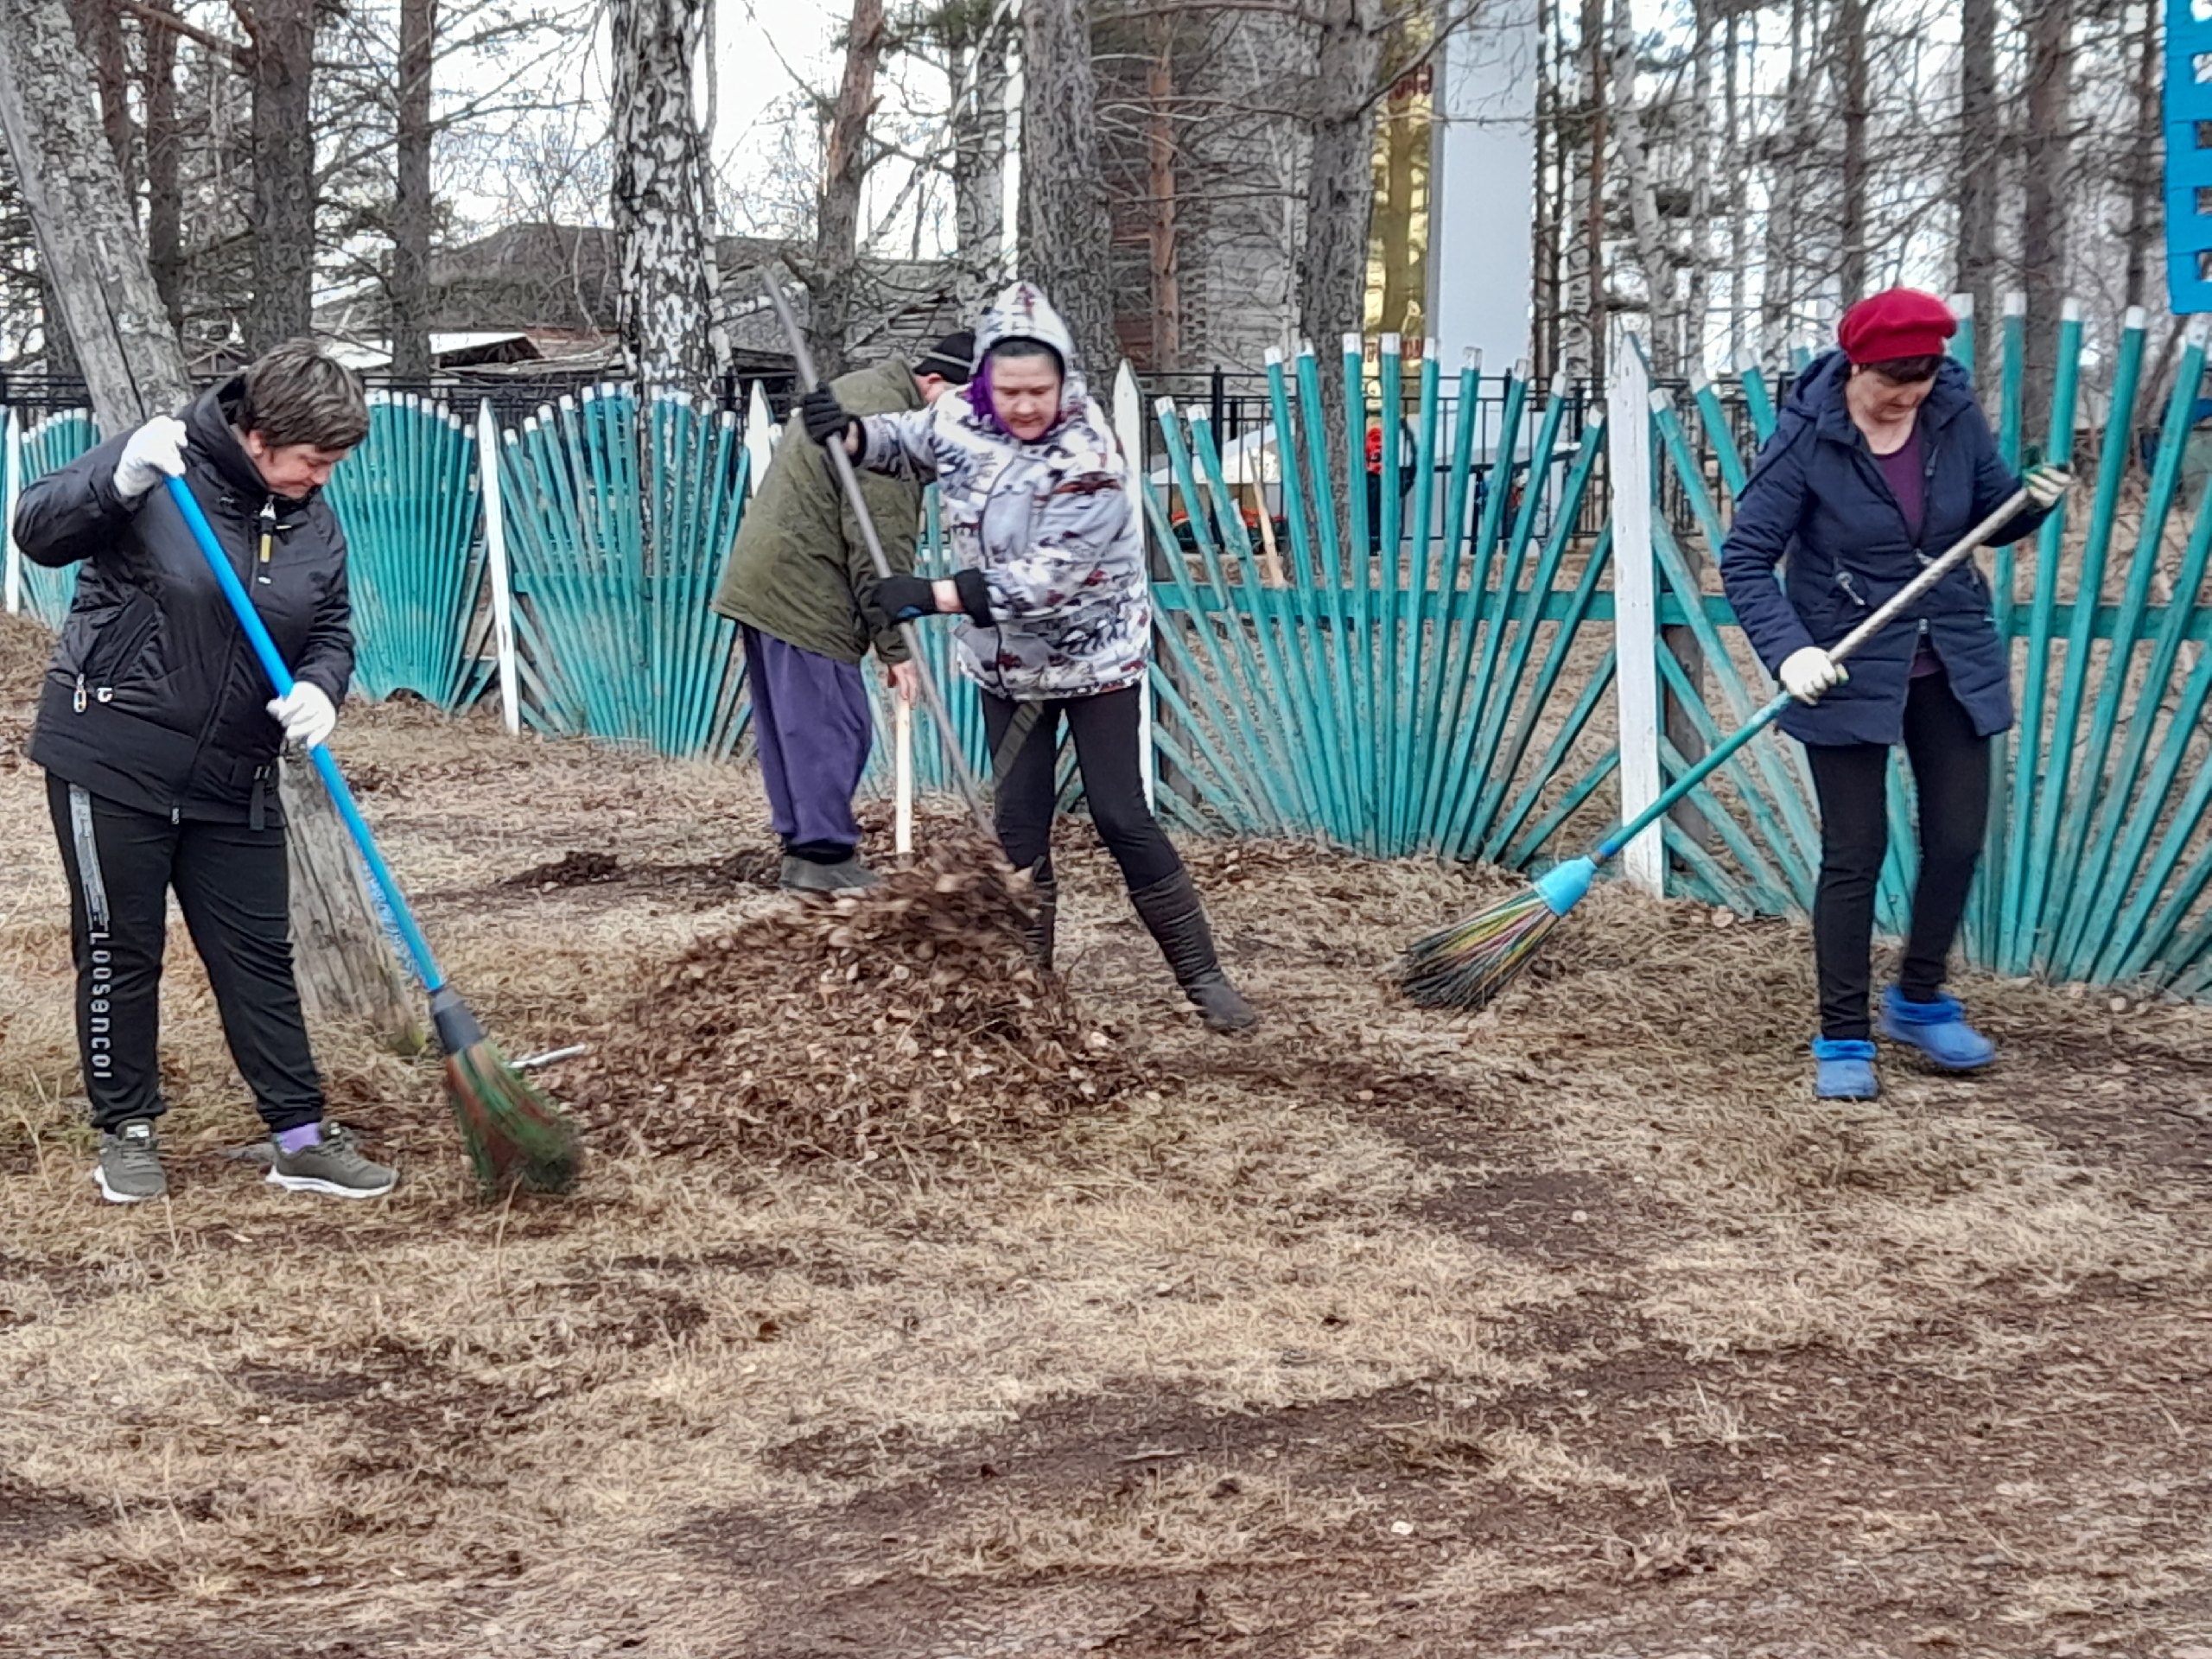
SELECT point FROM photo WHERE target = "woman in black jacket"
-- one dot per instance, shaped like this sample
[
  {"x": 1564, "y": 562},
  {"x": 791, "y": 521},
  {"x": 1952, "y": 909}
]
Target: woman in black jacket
[
  {"x": 161, "y": 743},
  {"x": 1880, "y": 461}
]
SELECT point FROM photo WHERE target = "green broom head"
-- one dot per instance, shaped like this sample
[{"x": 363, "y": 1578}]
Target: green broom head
[
  {"x": 516, "y": 1136},
  {"x": 1466, "y": 965}
]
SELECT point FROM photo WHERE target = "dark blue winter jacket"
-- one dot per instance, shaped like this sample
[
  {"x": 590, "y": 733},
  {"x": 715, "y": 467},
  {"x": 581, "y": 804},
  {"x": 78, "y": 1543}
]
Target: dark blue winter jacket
[{"x": 1817, "y": 503}]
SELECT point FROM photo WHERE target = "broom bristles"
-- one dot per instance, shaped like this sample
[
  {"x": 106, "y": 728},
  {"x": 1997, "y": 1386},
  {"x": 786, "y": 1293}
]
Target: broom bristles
[
  {"x": 1465, "y": 965},
  {"x": 515, "y": 1135}
]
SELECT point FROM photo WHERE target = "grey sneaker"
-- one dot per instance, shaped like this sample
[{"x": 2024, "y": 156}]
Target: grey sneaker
[
  {"x": 333, "y": 1165},
  {"x": 129, "y": 1169},
  {"x": 801, "y": 876}
]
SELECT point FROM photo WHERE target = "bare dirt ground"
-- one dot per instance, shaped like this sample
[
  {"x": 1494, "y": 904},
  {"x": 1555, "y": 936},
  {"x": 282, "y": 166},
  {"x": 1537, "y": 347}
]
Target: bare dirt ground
[{"x": 1575, "y": 1330}]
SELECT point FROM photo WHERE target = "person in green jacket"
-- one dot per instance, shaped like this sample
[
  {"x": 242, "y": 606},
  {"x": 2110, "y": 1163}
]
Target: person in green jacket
[{"x": 799, "y": 584}]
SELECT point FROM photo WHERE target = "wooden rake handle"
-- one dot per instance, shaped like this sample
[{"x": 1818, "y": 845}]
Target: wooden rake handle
[{"x": 840, "y": 462}]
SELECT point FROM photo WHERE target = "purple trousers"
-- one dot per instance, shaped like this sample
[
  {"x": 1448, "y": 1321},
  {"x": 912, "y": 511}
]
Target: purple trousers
[{"x": 811, "y": 720}]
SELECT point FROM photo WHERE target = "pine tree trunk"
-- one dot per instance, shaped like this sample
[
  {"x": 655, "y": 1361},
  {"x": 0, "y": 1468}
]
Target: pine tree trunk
[
  {"x": 99, "y": 24},
  {"x": 1066, "y": 237},
  {"x": 660, "y": 197},
  {"x": 410, "y": 201},
  {"x": 1339, "y": 203},
  {"x": 979, "y": 167},
  {"x": 284, "y": 174},
  {"x": 1850, "y": 62},
  {"x": 164, "y": 171},
  {"x": 2045, "y": 189},
  {"x": 135, "y": 367},
  {"x": 1982, "y": 143},
  {"x": 838, "y": 216},
  {"x": 2144, "y": 216}
]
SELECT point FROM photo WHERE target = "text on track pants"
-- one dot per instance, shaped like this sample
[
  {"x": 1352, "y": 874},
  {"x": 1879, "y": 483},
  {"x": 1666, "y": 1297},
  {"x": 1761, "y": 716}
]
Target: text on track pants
[{"x": 233, "y": 885}]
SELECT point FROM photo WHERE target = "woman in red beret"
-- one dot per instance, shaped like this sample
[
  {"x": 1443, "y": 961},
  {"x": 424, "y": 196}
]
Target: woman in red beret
[{"x": 1882, "y": 460}]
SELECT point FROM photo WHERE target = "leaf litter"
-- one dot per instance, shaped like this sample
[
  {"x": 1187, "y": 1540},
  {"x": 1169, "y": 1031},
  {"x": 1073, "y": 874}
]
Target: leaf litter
[{"x": 907, "y": 1018}]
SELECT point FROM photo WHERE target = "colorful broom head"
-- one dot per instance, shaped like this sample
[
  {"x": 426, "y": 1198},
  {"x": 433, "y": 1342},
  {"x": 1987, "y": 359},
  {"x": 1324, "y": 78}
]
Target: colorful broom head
[
  {"x": 515, "y": 1135},
  {"x": 1467, "y": 965}
]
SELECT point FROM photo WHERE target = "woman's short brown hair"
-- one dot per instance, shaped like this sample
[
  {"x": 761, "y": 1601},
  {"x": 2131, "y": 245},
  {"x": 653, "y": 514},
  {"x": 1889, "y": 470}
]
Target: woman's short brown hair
[
  {"x": 1905, "y": 370},
  {"x": 298, "y": 393}
]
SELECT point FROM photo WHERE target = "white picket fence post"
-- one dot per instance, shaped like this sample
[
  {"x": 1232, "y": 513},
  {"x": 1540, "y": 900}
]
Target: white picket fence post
[
  {"x": 496, "y": 568},
  {"x": 1128, "y": 432},
  {"x": 11, "y": 486},
  {"x": 1636, "y": 609}
]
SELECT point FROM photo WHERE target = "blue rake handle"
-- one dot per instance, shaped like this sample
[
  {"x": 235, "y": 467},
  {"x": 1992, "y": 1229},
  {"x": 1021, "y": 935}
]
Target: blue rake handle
[
  {"x": 1563, "y": 887},
  {"x": 400, "y": 919}
]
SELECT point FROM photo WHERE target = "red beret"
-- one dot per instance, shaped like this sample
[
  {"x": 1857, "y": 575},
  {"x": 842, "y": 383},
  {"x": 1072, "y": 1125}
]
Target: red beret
[{"x": 1902, "y": 322}]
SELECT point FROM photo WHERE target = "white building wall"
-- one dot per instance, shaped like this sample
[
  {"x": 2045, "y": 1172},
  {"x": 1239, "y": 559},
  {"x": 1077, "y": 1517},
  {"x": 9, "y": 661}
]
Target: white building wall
[{"x": 1483, "y": 224}]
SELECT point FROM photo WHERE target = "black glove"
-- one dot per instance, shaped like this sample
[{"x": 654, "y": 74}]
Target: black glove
[
  {"x": 823, "y": 417},
  {"x": 902, "y": 599}
]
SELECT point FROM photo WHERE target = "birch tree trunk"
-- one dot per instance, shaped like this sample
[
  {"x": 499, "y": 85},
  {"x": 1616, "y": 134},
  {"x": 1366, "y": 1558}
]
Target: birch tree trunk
[
  {"x": 283, "y": 173},
  {"x": 1066, "y": 237},
  {"x": 410, "y": 201},
  {"x": 134, "y": 368},
  {"x": 1778, "y": 303},
  {"x": 667, "y": 294},
  {"x": 1697, "y": 302},
  {"x": 837, "y": 215},
  {"x": 1652, "y": 252},
  {"x": 1740, "y": 218},
  {"x": 1587, "y": 303}
]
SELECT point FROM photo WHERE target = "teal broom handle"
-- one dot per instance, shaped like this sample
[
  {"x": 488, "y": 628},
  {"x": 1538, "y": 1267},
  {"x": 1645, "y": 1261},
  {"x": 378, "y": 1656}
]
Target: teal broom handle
[
  {"x": 257, "y": 633},
  {"x": 1890, "y": 609}
]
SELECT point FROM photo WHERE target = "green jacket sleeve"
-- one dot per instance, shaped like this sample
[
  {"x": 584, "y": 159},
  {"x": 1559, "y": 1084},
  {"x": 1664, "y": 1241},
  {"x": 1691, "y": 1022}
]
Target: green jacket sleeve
[{"x": 896, "y": 510}]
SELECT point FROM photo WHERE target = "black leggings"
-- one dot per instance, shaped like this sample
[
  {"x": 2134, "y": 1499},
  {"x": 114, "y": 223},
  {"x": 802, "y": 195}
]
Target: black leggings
[
  {"x": 1950, "y": 771},
  {"x": 233, "y": 885},
  {"x": 1106, "y": 729}
]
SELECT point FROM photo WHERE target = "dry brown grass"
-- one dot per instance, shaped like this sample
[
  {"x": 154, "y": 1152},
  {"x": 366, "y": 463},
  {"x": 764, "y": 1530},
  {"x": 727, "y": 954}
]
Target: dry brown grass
[{"x": 1572, "y": 1330}]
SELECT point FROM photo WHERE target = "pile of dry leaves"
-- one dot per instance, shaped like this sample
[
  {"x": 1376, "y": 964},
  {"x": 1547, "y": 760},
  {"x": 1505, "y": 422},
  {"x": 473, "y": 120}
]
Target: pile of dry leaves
[
  {"x": 24, "y": 648},
  {"x": 908, "y": 1018}
]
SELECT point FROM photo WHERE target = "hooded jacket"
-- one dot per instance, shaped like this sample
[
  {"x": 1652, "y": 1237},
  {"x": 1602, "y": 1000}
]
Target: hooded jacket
[
  {"x": 799, "y": 570},
  {"x": 1046, "y": 533},
  {"x": 1817, "y": 505},
  {"x": 153, "y": 698}
]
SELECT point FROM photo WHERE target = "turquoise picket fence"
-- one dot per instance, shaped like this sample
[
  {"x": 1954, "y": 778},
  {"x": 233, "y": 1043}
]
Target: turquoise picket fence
[
  {"x": 2098, "y": 861},
  {"x": 44, "y": 446},
  {"x": 1431, "y": 682},
  {"x": 409, "y": 501},
  {"x": 618, "y": 522}
]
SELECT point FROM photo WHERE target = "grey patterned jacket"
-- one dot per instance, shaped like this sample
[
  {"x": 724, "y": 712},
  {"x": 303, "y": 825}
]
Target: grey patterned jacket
[{"x": 1053, "y": 525}]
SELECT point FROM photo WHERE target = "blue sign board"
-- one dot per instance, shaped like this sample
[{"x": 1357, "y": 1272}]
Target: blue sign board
[{"x": 2189, "y": 154}]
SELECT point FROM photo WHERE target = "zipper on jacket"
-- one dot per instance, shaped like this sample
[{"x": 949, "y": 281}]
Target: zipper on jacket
[
  {"x": 1845, "y": 580},
  {"x": 268, "y": 538}
]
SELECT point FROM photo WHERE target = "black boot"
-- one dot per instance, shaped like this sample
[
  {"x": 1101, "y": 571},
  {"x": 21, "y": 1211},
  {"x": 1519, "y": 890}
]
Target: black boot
[
  {"x": 1177, "y": 920},
  {"x": 1039, "y": 935}
]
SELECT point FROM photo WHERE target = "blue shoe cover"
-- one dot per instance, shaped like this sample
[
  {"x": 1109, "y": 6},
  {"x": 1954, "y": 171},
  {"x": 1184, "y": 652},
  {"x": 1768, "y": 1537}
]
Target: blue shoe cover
[
  {"x": 1843, "y": 1069},
  {"x": 1938, "y": 1030}
]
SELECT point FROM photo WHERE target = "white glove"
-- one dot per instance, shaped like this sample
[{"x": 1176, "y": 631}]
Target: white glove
[
  {"x": 2046, "y": 484},
  {"x": 155, "y": 451},
  {"x": 1808, "y": 673},
  {"x": 305, "y": 715}
]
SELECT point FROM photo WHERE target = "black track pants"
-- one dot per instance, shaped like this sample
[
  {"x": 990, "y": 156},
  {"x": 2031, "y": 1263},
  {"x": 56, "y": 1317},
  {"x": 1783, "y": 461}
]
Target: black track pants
[
  {"x": 1950, "y": 773},
  {"x": 1106, "y": 729},
  {"x": 234, "y": 889}
]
